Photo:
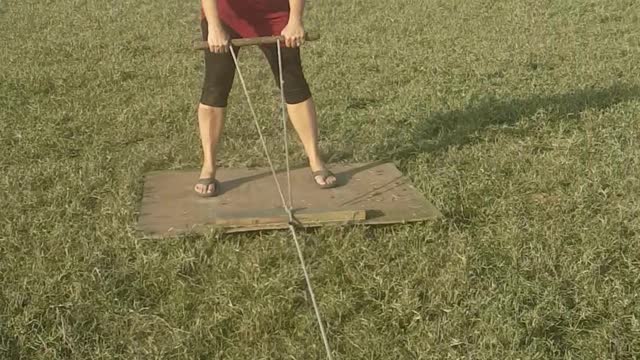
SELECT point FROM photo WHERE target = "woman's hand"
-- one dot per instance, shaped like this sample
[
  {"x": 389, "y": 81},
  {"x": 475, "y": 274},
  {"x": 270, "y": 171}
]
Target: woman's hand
[
  {"x": 218, "y": 39},
  {"x": 293, "y": 33}
]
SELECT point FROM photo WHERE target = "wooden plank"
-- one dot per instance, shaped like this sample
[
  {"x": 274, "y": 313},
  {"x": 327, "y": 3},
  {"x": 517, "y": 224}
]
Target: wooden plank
[
  {"x": 169, "y": 205},
  {"x": 278, "y": 216}
]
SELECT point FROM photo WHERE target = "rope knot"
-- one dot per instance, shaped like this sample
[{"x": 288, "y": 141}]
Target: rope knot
[{"x": 292, "y": 220}]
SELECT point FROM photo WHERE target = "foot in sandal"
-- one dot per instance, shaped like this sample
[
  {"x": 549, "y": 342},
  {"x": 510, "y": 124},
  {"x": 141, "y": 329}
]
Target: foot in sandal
[
  {"x": 207, "y": 186},
  {"x": 323, "y": 177}
]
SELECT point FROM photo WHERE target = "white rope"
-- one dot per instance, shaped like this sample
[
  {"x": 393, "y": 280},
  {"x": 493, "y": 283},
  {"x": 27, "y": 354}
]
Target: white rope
[
  {"x": 284, "y": 126},
  {"x": 287, "y": 209},
  {"x": 311, "y": 295},
  {"x": 264, "y": 144}
]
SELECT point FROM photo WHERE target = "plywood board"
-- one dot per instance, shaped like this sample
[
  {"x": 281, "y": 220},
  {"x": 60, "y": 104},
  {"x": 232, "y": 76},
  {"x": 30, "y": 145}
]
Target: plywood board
[{"x": 374, "y": 193}]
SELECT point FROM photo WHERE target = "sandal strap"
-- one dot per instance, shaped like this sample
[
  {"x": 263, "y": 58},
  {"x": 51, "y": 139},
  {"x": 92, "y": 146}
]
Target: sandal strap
[
  {"x": 324, "y": 173},
  {"x": 207, "y": 181}
]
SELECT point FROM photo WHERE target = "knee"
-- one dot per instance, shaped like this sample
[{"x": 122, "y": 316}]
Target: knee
[
  {"x": 209, "y": 108},
  {"x": 214, "y": 96},
  {"x": 296, "y": 87},
  {"x": 296, "y": 94}
]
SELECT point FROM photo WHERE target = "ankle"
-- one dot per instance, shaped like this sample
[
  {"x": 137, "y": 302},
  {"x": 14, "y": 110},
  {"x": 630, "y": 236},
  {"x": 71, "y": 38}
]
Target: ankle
[
  {"x": 316, "y": 163},
  {"x": 208, "y": 170}
]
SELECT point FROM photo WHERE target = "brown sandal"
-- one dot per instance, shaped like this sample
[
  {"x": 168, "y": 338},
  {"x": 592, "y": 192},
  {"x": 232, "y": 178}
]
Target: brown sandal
[
  {"x": 325, "y": 174},
  {"x": 206, "y": 182}
]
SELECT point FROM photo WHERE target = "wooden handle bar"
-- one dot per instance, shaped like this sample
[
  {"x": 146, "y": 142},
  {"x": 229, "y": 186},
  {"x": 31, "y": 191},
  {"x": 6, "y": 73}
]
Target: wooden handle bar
[{"x": 263, "y": 40}]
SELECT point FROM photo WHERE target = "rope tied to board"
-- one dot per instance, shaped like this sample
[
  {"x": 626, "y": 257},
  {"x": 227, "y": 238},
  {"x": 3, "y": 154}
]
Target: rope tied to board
[{"x": 288, "y": 207}]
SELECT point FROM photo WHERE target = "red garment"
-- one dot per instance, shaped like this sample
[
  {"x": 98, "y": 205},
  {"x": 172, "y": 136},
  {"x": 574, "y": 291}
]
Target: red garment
[{"x": 251, "y": 18}]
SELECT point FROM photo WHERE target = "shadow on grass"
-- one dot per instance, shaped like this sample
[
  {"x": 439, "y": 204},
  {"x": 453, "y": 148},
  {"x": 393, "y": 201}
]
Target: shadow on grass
[{"x": 439, "y": 131}]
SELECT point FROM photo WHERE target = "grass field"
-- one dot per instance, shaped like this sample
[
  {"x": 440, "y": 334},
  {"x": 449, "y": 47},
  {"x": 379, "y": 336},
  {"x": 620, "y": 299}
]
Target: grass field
[{"x": 520, "y": 120}]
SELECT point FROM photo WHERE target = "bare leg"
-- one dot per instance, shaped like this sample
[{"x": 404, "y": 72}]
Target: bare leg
[
  {"x": 211, "y": 123},
  {"x": 303, "y": 117}
]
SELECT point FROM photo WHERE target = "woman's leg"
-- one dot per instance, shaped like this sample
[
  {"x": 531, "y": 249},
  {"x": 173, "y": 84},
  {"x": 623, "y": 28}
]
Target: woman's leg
[
  {"x": 210, "y": 124},
  {"x": 218, "y": 79},
  {"x": 300, "y": 105},
  {"x": 304, "y": 120}
]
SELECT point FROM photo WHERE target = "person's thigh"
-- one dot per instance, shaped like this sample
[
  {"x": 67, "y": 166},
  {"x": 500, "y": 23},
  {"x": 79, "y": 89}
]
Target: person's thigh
[
  {"x": 296, "y": 88},
  {"x": 219, "y": 72}
]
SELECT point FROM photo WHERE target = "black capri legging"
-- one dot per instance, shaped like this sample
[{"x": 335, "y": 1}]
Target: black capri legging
[{"x": 220, "y": 71}]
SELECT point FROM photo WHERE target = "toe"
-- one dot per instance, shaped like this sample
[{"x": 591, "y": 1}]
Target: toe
[
  {"x": 204, "y": 189},
  {"x": 320, "y": 180}
]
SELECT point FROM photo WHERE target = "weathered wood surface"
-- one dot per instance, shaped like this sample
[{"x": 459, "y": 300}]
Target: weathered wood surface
[
  {"x": 278, "y": 216},
  {"x": 249, "y": 201}
]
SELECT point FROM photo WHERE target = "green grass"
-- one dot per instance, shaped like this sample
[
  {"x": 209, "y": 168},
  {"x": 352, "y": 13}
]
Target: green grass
[{"x": 520, "y": 120}]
